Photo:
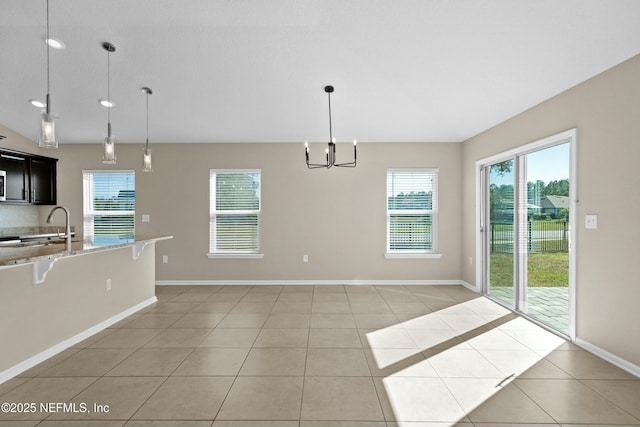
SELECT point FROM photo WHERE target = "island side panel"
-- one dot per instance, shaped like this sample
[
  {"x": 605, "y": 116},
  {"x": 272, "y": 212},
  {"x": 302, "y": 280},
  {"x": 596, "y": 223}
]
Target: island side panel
[{"x": 72, "y": 299}]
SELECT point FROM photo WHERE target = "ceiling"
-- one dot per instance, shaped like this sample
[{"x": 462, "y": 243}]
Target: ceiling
[{"x": 254, "y": 70}]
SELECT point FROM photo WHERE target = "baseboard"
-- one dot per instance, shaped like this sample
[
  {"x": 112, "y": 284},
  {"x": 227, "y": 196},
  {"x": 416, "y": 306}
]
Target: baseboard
[
  {"x": 58, "y": 348},
  {"x": 469, "y": 286},
  {"x": 609, "y": 357},
  {"x": 305, "y": 282}
]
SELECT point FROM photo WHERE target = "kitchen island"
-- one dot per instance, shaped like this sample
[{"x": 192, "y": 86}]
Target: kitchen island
[{"x": 54, "y": 295}]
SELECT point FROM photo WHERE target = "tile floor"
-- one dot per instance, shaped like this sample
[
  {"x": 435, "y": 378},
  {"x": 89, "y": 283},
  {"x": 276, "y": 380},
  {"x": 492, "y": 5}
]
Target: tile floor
[{"x": 323, "y": 356}]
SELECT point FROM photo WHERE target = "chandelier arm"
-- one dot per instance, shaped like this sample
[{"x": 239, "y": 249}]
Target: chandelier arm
[{"x": 317, "y": 166}]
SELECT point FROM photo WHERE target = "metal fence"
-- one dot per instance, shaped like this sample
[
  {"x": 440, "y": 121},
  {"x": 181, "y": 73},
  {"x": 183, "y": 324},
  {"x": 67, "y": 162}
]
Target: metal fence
[
  {"x": 542, "y": 236},
  {"x": 409, "y": 236}
]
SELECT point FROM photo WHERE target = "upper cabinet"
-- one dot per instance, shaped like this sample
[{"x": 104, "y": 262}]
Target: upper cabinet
[{"x": 30, "y": 178}]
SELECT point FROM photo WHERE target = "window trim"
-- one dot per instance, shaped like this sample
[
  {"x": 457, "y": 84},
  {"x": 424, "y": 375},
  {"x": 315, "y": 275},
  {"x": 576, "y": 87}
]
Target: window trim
[
  {"x": 255, "y": 254},
  {"x": 434, "y": 212}
]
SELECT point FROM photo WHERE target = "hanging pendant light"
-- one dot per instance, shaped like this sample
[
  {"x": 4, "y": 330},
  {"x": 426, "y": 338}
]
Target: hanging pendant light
[
  {"x": 109, "y": 146},
  {"x": 146, "y": 158},
  {"x": 48, "y": 137},
  {"x": 330, "y": 151}
]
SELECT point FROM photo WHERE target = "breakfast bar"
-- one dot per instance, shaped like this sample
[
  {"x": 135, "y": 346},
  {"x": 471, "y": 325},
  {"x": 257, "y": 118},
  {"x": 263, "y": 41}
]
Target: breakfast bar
[{"x": 54, "y": 293}]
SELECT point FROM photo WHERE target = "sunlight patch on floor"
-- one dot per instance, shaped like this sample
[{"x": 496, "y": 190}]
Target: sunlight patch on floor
[{"x": 440, "y": 367}]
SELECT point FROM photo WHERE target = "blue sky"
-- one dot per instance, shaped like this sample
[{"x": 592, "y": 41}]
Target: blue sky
[
  {"x": 551, "y": 164},
  {"x": 109, "y": 184}
]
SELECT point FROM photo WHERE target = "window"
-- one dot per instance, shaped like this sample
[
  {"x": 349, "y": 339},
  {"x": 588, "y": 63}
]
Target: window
[
  {"x": 109, "y": 206},
  {"x": 234, "y": 221},
  {"x": 412, "y": 213}
]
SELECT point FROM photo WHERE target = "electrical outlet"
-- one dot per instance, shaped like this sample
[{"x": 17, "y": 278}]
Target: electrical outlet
[
  {"x": 591, "y": 221},
  {"x": 165, "y": 259},
  {"x": 305, "y": 258},
  {"x": 107, "y": 285},
  {"x": 146, "y": 218},
  {"x": 470, "y": 260}
]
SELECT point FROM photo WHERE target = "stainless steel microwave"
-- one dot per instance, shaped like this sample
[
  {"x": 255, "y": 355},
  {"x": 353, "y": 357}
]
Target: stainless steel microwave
[{"x": 3, "y": 186}]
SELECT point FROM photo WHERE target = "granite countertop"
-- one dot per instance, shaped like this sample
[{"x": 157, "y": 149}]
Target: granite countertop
[{"x": 34, "y": 251}]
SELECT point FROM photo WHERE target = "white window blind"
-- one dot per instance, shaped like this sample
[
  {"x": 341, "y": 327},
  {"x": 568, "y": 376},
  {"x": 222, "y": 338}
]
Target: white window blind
[
  {"x": 234, "y": 225},
  {"x": 109, "y": 205},
  {"x": 412, "y": 210}
]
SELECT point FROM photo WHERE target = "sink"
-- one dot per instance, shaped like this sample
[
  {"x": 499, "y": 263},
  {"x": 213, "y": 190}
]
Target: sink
[{"x": 33, "y": 244}]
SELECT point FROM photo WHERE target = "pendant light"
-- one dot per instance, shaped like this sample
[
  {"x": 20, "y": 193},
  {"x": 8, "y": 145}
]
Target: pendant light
[
  {"x": 48, "y": 137},
  {"x": 146, "y": 158},
  {"x": 330, "y": 151},
  {"x": 109, "y": 146}
]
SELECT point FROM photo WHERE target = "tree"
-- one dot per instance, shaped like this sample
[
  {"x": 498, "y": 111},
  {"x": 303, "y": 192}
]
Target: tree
[{"x": 556, "y": 188}]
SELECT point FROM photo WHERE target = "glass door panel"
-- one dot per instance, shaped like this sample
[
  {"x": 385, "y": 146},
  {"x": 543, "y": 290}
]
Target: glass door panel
[
  {"x": 547, "y": 236},
  {"x": 500, "y": 231}
]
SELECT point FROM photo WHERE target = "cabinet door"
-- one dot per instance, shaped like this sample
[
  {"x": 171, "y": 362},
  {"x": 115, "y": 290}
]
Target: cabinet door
[
  {"x": 43, "y": 181},
  {"x": 17, "y": 168}
]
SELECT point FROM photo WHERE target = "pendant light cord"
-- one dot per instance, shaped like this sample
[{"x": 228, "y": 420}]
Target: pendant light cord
[
  {"x": 48, "y": 78},
  {"x": 109, "y": 92},
  {"x": 330, "y": 130},
  {"x": 146, "y": 149}
]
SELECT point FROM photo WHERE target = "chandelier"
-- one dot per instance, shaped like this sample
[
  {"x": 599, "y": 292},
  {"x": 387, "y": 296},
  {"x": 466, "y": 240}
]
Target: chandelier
[{"x": 330, "y": 151}]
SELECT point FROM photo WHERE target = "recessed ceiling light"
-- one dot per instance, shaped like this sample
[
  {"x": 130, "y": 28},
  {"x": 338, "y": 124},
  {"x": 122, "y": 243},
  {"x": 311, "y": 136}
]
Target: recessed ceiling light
[
  {"x": 53, "y": 42},
  {"x": 106, "y": 103},
  {"x": 37, "y": 103}
]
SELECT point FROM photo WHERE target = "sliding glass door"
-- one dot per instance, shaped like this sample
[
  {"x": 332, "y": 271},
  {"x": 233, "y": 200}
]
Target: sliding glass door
[
  {"x": 526, "y": 232},
  {"x": 547, "y": 236},
  {"x": 500, "y": 231}
]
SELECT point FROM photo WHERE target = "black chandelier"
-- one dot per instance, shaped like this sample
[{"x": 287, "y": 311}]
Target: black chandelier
[{"x": 330, "y": 151}]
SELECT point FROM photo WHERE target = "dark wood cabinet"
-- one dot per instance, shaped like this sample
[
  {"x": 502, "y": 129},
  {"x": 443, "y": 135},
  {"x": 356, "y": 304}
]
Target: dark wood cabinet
[
  {"x": 43, "y": 180},
  {"x": 30, "y": 178}
]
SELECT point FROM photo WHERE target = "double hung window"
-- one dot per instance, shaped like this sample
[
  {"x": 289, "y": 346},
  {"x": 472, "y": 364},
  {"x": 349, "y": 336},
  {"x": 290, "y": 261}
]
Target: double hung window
[
  {"x": 109, "y": 206},
  {"x": 412, "y": 212},
  {"x": 234, "y": 213}
]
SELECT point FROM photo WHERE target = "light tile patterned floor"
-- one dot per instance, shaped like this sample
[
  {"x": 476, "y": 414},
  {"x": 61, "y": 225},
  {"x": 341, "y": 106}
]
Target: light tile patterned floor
[{"x": 324, "y": 356}]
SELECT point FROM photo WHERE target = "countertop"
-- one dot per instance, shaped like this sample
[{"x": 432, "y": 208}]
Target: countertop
[{"x": 54, "y": 249}]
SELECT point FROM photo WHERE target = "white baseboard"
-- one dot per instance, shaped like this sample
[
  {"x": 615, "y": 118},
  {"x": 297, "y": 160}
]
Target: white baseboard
[
  {"x": 307, "y": 282},
  {"x": 469, "y": 286},
  {"x": 609, "y": 357},
  {"x": 58, "y": 348}
]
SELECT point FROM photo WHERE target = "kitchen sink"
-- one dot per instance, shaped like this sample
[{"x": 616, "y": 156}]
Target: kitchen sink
[{"x": 34, "y": 243}]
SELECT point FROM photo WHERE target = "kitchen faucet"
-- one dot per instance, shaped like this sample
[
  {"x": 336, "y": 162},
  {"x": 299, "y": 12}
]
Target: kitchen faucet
[{"x": 68, "y": 223}]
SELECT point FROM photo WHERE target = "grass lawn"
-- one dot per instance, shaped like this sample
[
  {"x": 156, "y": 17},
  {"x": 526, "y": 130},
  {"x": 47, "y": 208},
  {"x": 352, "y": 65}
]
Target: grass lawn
[{"x": 545, "y": 270}]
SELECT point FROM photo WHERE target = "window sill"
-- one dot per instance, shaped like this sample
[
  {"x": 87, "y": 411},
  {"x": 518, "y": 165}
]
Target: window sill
[
  {"x": 235, "y": 256},
  {"x": 412, "y": 255}
]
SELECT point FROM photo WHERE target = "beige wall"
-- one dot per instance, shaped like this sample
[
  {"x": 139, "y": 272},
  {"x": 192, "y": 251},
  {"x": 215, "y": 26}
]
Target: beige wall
[
  {"x": 606, "y": 112},
  {"x": 337, "y": 217}
]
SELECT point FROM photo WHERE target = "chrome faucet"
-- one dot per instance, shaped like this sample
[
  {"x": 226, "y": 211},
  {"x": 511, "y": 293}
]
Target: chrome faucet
[{"x": 68, "y": 223}]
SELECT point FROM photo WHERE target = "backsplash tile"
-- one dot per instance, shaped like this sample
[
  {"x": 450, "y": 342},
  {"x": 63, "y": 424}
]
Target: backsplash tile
[{"x": 19, "y": 216}]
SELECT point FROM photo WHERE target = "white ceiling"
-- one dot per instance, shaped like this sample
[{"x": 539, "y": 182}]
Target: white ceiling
[{"x": 254, "y": 70}]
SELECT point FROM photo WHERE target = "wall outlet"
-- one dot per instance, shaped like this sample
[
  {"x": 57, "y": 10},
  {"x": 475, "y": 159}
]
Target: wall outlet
[
  {"x": 107, "y": 285},
  {"x": 146, "y": 218},
  {"x": 591, "y": 221},
  {"x": 165, "y": 259},
  {"x": 470, "y": 260},
  {"x": 305, "y": 258}
]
